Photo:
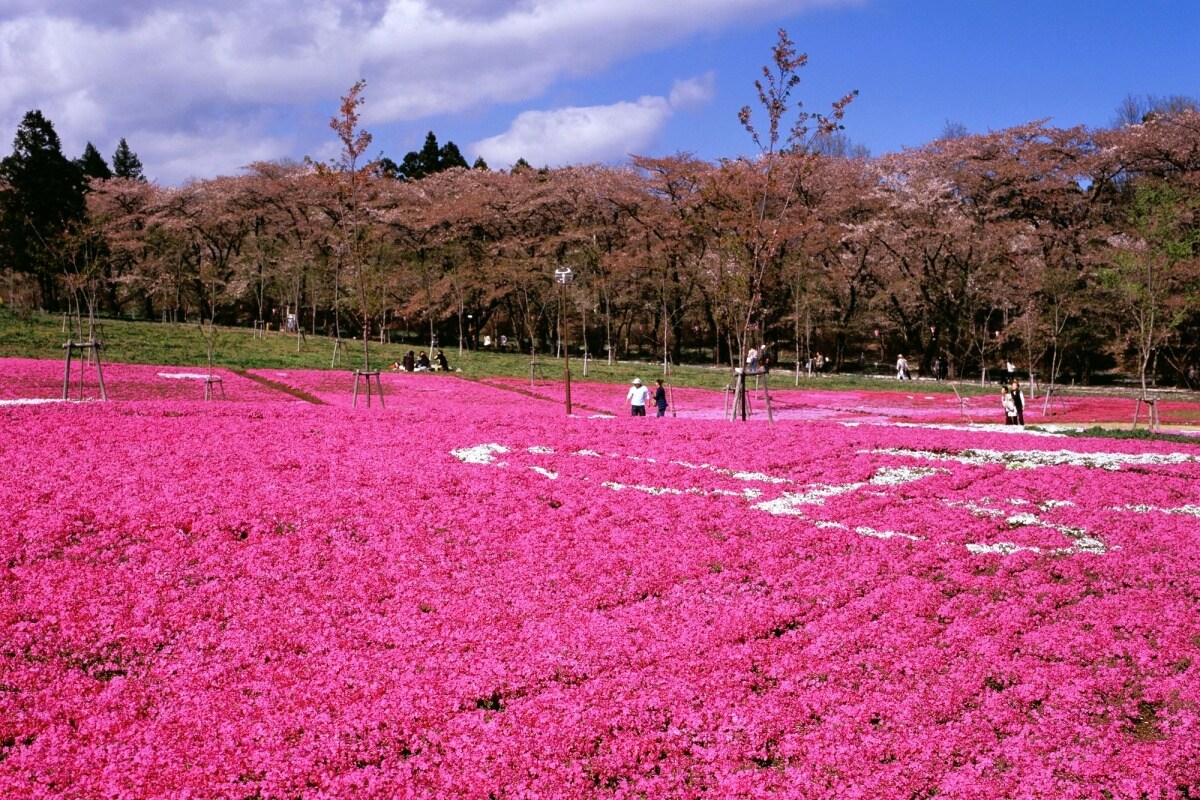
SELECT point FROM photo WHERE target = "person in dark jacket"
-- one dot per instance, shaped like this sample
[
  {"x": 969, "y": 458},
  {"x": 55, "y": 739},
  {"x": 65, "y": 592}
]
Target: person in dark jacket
[
  {"x": 1018, "y": 397},
  {"x": 660, "y": 399}
]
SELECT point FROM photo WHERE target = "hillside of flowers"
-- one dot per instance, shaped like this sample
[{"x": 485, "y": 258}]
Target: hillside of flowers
[{"x": 463, "y": 593}]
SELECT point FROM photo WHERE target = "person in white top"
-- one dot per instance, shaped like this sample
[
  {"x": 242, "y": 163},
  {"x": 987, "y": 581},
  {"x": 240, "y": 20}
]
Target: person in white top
[
  {"x": 638, "y": 395},
  {"x": 902, "y": 368},
  {"x": 752, "y": 360}
]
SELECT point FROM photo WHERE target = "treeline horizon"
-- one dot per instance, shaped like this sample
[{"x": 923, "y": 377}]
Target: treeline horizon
[{"x": 1068, "y": 251}]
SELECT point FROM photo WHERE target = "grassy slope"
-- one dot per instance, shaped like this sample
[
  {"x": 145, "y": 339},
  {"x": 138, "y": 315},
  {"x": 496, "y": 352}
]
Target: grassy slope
[{"x": 42, "y": 336}]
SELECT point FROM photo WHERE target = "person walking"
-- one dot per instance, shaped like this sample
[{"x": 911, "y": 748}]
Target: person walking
[
  {"x": 902, "y": 369},
  {"x": 637, "y": 396},
  {"x": 660, "y": 399}
]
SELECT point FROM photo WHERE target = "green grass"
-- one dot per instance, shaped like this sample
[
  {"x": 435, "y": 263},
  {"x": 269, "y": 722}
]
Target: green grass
[
  {"x": 182, "y": 344},
  {"x": 1098, "y": 432}
]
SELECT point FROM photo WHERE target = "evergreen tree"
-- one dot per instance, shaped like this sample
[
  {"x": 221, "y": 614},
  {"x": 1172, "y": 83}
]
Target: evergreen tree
[
  {"x": 480, "y": 164},
  {"x": 126, "y": 164},
  {"x": 92, "y": 164},
  {"x": 450, "y": 157},
  {"x": 430, "y": 159},
  {"x": 386, "y": 168},
  {"x": 40, "y": 200}
]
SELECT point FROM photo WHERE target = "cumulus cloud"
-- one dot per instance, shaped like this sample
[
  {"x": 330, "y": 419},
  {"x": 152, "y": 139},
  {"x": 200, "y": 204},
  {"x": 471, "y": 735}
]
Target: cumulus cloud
[
  {"x": 577, "y": 135},
  {"x": 592, "y": 134},
  {"x": 167, "y": 70}
]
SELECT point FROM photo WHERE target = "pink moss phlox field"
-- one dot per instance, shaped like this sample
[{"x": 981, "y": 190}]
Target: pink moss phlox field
[{"x": 469, "y": 594}]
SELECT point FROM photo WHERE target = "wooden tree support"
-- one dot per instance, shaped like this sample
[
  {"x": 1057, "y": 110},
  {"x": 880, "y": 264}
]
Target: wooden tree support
[
  {"x": 536, "y": 373},
  {"x": 92, "y": 349},
  {"x": 1152, "y": 420},
  {"x": 360, "y": 374},
  {"x": 766, "y": 396},
  {"x": 741, "y": 396},
  {"x": 339, "y": 352},
  {"x": 1049, "y": 398},
  {"x": 211, "y": 384},
  {"x": 963, "y": 409}
]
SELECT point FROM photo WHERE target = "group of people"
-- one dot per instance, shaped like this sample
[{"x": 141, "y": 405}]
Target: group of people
[
  {"x": 638, "y": 398},
  {"x": 757, "y": 362},
  {"x": 1012, "y": 400},
  {"x": 940, "y": 368},
  {"x": 421, "y": 363}
]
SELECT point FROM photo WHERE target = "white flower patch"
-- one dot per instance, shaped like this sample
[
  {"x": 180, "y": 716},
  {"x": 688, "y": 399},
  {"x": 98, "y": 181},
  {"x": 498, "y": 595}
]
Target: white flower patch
[
  {"x": 789, "y": 503},
  {"x": 31, "y": 401},
  {"x": 1032, "y": 459},
  {"x": 1000, "y": 548},
  {"x": 974, "y": 507},
  {"x": 1188, "y": 510},
  {"x": 620, "y": 487},
  {"x": 741, "y": 476},
  {"x": 804, "y": 503},
  {"x": 959, "y": 427},
  {"x": 745, "y": 494},
  {"x": 480, "y": 454},
  {"x": 896, "y": 476},
  {"x": 863, "y": 530},
  {"x": 1046, "y": 505},
  {"x": 184, "y": 376}
]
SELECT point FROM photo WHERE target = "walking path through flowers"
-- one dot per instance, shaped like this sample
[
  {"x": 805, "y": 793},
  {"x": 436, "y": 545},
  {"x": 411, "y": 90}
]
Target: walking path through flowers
[{"x": 463, "y": 593}]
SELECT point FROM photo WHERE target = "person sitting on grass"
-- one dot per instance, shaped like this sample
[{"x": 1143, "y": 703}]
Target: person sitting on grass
[
  {"x": 442, "y": 363},
  {"x": 423, "y": 364}
]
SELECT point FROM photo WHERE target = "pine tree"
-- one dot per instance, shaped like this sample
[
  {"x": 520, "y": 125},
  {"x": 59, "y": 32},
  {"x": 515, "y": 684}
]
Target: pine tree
[
  {"x": 431, "y": 158},
  {"x": 92, "y": 164},
  {"x": 41, "y": 198},
  {"x": 126, "y": 164},
  {"x": 450, "y": 157},
  {"x": 480, "y": 164}
]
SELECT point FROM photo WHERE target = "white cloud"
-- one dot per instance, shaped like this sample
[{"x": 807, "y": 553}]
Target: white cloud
[
  {"x": 169, "y": 70},
  {"x": 578, "y": 135},
  {"x": 693, "y": 94}
]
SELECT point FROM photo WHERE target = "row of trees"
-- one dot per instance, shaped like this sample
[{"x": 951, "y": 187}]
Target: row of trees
[{"x": 1065, "y": 250}]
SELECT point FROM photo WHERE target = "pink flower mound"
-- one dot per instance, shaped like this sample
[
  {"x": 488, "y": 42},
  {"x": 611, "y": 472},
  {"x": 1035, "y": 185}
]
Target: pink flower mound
[
  {"x": 467, "y": 594},
  {"x": 858, "y": 406},
  {"x": 28, "y": 380},
  {"x": 336, "y": 387}
]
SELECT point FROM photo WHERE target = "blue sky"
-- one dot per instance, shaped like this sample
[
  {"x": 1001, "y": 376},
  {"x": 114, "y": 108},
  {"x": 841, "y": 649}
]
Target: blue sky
[{"x": 200, "y": 89}]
